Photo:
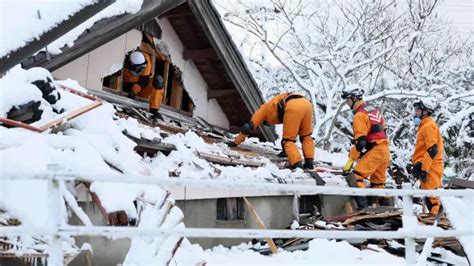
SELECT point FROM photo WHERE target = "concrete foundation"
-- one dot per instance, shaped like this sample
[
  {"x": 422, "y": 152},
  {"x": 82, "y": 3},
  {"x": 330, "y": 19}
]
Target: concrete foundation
[{"x": 276, "y": 212}]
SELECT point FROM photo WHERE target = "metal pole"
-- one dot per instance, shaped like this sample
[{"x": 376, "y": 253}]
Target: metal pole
[
  {"x": 409, "y": 221},
  {"x": 55, "y": 221}
]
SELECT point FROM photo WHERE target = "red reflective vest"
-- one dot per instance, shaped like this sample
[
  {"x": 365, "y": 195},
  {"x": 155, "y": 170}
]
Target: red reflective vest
[{"x": 377, "y": 122}]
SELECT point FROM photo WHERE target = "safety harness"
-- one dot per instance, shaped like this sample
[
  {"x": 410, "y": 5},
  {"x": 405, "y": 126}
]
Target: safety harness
[
  {"x": 377, "y": 121},
  {"x": 281, "y": 114},
  {"x": 282, "y": 103}
]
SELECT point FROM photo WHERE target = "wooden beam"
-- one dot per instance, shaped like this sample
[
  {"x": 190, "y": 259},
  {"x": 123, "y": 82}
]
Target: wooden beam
[
  {"x": 260, "y": 224},
  {"x": 179, "y": 11},
  {"x": 193, "y": 54},
  {"x": 211, "y": 94},
  {"x": 101, "y": 34},
  {"x": 176, "y": 92},
  {"x": 32, "y": 46},
  {"x": 166, "y": 72},
  {"x": 74, "y": 114},
  {"x": 212, "y": 158}
]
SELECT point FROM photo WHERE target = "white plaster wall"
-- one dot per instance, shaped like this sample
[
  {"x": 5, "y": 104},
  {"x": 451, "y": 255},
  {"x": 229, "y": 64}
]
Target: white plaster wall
[
  {"x": 194, "y": 83},
  {"x": 74, "y": 70},
  {"x": 89, "y": 69}
]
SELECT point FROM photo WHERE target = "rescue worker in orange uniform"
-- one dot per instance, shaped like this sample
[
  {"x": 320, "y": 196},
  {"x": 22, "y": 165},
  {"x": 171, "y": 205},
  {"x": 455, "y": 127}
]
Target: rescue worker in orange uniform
[
  {"x": 371, "y": 147},
  {"x": 428, "y": 156},
  {"x": 296, "y": 114},
  {"x": 138, "y": 79}
]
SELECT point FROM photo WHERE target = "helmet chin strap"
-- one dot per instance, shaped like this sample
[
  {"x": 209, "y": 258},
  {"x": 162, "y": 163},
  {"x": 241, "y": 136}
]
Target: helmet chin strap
[{"x": 353, "y": 102}]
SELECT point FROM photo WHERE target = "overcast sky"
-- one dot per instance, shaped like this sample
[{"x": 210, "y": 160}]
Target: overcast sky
[{"x": 460, "y": 12}]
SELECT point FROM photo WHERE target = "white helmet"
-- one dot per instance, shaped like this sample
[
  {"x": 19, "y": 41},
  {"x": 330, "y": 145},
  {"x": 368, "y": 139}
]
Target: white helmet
[
  {"x": 137, "y": 58},
  {"x": 425, "y": 104},
  {"x": 352, "y": 92}
]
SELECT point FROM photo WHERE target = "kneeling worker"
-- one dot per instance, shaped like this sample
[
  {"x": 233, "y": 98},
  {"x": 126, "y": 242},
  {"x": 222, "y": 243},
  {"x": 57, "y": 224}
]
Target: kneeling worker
[
  {"x": 138, "y": 80},
  {"x": 296, "y": 114}
]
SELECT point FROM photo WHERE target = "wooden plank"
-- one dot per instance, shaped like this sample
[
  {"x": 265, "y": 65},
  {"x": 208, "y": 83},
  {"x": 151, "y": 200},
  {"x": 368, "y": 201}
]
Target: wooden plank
[
  {"x": 71, "y": 115},
  {"x": 460, "y": 183},
  {"x": 179, "y": 11},
  {"x": 176, "y": 93},
  {"x": 211, "y": 94},
  {"x": 14, "y": 123},
  {"x": 166, "y": 72},
  {"x": 372, "y": 216},
  {"x": 97, "y": 202},
  {"x": 194, "y": 54},
  {"x": 227, "y": 161},
  {"x": 151, "y": 147},
  {"x": 260, "y": 224}
]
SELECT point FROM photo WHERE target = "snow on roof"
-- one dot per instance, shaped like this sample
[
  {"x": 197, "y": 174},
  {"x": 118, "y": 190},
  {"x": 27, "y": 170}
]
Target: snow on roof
[{"x": 21, "y": 23}]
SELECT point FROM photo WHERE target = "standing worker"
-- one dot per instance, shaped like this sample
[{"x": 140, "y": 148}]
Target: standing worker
[
  {"x": 371, "y": 147},
  {"x": 296, "y": 114},
  {"x": 428, "y": 156},
  {"x": 139, "y": 80}
]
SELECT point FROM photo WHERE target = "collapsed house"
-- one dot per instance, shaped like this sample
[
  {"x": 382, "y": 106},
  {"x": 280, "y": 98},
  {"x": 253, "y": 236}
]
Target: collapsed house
[{"x": 209, "y": 93}]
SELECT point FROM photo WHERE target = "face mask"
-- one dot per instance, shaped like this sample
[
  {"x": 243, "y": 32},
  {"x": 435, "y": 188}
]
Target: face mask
[
  {"x": 416, "y": 120},
  {"x": 134, "y": 73}
]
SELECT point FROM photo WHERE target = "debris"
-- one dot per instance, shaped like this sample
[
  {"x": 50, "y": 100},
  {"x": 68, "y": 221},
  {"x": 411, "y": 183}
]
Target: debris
[{"x": 57, "y": 122}]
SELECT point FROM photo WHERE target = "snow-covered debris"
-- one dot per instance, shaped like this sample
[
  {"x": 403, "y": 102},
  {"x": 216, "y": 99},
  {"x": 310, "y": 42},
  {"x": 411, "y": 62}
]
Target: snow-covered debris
[
  {"x": 294, "y": 225},
  {"x": 461, "y": 214},
  {"x": 88, "y": 145},
  {"x": 94, "y": 141}
]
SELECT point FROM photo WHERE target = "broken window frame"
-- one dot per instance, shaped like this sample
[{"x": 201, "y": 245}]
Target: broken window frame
[{"x": 230, "y": 209}]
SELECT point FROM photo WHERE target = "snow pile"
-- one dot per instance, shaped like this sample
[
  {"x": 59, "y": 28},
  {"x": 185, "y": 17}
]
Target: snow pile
[
  {"x": 89, "y": 144},
  {"x": 156, "y": 250},
  {"x": 320, "y": 251},
  {"x": 22, "y": 91},
  {"x": 461, "y": 214}
]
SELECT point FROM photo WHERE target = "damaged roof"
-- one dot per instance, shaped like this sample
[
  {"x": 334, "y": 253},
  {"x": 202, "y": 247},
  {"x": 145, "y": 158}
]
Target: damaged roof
[{"x": 206, "y": 42}]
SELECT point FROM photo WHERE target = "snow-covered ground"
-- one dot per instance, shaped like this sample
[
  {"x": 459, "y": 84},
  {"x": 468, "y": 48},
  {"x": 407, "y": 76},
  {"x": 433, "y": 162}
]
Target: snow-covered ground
[{"x": 320, "y": 252}]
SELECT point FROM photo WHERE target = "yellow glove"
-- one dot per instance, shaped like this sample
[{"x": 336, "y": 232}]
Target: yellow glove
[{"x": 348, "y": 166}]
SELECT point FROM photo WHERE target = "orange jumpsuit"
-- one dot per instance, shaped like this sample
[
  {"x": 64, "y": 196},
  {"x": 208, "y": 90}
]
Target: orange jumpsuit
[
  {"x": 375, "y": 162},
  {"x": 427, "y": 136},
  {"x": 142, "y": 85},
  {"x": 297, "y": 120}
]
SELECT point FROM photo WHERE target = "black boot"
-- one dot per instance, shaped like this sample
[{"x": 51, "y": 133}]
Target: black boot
[
  {"x": 361, "y": 202},
  {"x": 384, "y": 201},
  {"x": 297, "y": 165},
  {"x": 308, "y": 164},
  {"x": 131, "y": 94},
  {"x": 156, "y": 115}
]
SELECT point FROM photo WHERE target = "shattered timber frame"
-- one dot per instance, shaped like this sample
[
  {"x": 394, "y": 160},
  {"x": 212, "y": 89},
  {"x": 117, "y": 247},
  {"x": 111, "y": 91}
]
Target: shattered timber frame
[
  {"x": 58, "y": 229},
  {"x": 59, "y": 121}
]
